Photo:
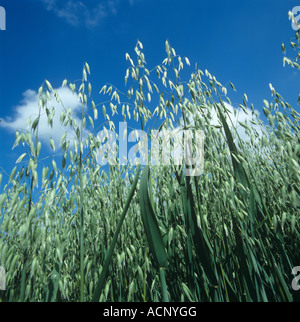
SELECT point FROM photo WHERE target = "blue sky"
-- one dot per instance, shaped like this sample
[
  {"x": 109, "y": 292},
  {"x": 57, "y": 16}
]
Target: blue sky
[{"x": 237, "y": 41}]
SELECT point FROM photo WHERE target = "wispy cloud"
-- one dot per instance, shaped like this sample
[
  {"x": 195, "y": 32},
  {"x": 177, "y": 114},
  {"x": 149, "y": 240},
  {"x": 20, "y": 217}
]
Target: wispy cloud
[{"x": 77, "y": 13}]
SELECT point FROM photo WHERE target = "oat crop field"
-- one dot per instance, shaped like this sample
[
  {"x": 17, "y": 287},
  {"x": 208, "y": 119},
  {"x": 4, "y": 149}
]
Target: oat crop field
[{"x": 74, "y": 230}]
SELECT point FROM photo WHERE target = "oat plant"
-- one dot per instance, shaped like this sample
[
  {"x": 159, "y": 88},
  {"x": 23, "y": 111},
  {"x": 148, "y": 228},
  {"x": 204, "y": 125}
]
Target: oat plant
[{"x": 72, "y": 229}]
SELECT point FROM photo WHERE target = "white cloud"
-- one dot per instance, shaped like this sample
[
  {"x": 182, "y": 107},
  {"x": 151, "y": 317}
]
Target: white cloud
[
  {"x": 28, "y": 108},
  {"x": 236, "y": 116}
]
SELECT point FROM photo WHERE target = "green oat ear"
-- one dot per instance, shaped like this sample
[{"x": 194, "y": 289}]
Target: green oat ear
[{"x": 51, "y": 293}]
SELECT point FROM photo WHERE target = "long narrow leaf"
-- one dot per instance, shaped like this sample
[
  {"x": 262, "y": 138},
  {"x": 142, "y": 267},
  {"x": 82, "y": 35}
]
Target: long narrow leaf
[
  {"x": 150, "y": 223},
  {"x": 100, "y": 283}
]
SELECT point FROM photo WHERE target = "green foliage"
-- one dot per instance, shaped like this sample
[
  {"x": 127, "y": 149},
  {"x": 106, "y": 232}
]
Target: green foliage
[{"x": 80, "y": 232}]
